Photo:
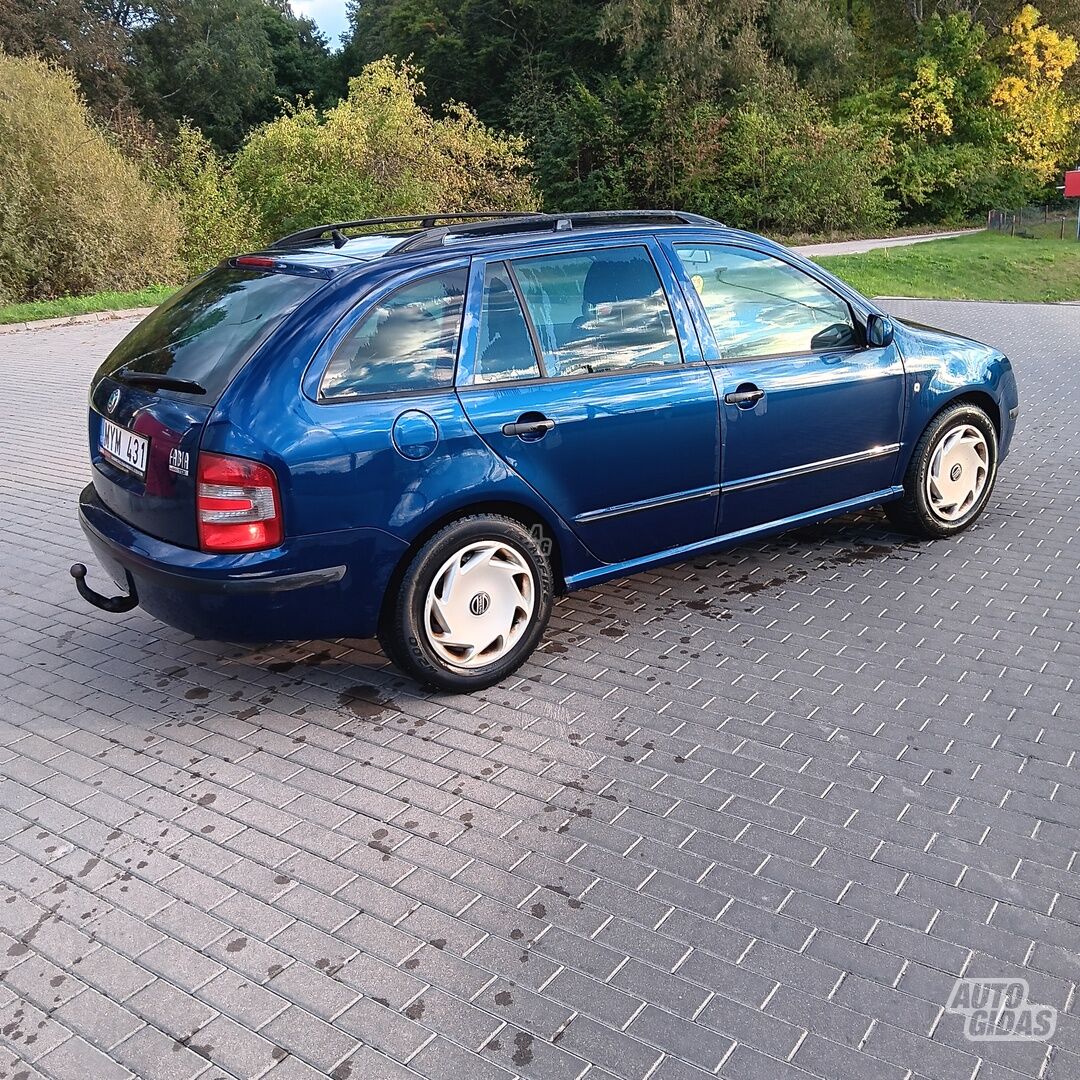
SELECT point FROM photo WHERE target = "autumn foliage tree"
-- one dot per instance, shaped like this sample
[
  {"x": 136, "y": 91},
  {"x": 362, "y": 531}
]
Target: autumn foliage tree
[{"x": 1042, "y": 118}]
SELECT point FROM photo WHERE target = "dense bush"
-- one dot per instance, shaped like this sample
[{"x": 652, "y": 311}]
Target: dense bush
[
  {"x": 216, "y": 218},
  {"x": 791, "y": 169},
  {"x": 598, "y": 147},
  {"x": 75, "y": 215},
  {"x": 224, "y": 127},
  {"x": 377, "y": 152},
  {"x": 785, "y": 167}
]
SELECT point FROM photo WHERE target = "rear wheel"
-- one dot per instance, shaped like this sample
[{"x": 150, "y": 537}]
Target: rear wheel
[
  {"x": 951, "y": 474},
  {"x": 472, "y": 605}
]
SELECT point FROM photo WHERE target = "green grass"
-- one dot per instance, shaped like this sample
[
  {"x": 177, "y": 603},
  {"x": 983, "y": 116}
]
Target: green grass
[
  {"x": 151, "y": 296},
  {"x": 982, "y": 266}
]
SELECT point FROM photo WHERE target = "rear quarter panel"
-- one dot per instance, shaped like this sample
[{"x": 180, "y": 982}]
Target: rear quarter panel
[{"x": 356, "y": 465}]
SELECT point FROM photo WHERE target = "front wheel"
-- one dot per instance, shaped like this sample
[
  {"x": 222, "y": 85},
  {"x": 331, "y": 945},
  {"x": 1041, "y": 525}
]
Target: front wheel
[
  {"x": 951, "y": 474},
  {"x": 472, "y": 605}
]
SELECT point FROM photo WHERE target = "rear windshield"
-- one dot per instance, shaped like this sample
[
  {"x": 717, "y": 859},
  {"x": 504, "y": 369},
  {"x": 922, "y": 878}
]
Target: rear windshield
[{"x": 207, "y": 331}]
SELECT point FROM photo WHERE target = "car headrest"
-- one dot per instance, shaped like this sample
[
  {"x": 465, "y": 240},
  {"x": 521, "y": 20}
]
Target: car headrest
[{"x": 610, "y": 280}]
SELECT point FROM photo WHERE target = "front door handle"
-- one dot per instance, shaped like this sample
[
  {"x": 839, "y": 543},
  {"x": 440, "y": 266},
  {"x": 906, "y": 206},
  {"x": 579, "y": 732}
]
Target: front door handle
[
  {"x": 529, "y": 427},
  {"x": 748, "y": 395}
]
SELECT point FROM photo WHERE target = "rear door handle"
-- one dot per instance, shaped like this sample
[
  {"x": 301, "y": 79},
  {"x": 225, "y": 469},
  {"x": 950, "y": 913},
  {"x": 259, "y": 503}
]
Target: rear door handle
[
  {"x": 744, "y": 397},
  {"x": 528, "y": 427}
]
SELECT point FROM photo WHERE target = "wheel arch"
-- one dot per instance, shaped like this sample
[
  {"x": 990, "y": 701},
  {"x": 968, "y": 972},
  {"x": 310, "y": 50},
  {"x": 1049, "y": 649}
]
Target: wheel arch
[
  {"x": 980, "y": 398},
  {"x": 906, "y": 510},
  {"x": 969, "y": 396},
  {"x": 527, "y": 515}
]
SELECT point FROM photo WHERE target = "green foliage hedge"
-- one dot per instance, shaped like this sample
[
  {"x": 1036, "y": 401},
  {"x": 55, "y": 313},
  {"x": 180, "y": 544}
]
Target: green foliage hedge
[
  {"x": 76, "y": 216},
  {"x": 377, "y": 152},
  {"x": 212, "y": 126}
]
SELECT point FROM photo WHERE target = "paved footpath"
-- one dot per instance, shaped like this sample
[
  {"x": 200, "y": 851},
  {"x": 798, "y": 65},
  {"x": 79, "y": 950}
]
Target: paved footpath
[
  {"x": 746, "y": 816},
  {"x": 856, "y": 247}
]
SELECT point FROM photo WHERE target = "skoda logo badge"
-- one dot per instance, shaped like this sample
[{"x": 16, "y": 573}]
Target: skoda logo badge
[
  {"x": 114, "y": 400},
  {"x": 480, "y": 603}
]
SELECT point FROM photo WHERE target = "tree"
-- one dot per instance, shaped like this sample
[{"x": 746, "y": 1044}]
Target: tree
[
  {"x": 299, "y": 53},
  {"x": 223, "y": 64},
  {"x": 599, "y": 147},
  {"x": 489, "y": 53},
  {"x": 75, "y": 215},
  {"x": 951, "y": 78},
  {"x": 378, "y": 152},
  {"x": 948, "y": 140},
  {"x": 703, "y": 48},
  {"x": 1042, "y": 119},
  {"x": 77, "y": 35}
]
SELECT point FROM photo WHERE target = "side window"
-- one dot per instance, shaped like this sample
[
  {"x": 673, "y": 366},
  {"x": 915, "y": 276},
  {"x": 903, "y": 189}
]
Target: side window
[
  {"x": 504, "y": 347},
  {"x": 598, "y": 311},
  {"x": 760, "y": 306},
  {"x": 408, "y": 341}
]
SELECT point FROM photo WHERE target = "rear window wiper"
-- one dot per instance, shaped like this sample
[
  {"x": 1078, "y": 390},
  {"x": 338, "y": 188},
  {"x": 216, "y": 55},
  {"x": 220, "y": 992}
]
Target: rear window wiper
[{"x": 153, "y": 381}]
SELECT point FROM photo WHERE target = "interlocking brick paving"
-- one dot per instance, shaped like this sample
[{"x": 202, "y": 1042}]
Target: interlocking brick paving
[{"x": 750, "y": 815}]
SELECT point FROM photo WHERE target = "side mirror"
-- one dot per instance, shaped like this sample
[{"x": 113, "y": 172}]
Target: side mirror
[{"x": 879, "y": 331}]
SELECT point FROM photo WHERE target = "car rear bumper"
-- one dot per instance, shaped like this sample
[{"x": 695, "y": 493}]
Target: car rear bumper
[{"x": 326, "y": 585}]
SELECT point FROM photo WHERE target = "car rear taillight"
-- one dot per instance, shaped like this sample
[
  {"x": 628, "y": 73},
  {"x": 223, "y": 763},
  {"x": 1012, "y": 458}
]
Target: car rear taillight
[{"x": 237, "y": 504}]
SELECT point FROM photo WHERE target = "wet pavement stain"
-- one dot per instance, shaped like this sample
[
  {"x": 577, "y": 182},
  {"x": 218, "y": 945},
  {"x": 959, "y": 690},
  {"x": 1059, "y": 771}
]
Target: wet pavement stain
[
  {"x": 365, "y": 701},
  {"x": 523, "y": 1054}
]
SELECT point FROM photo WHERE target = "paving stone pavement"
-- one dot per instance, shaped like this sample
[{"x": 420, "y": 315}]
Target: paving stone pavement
[{"x": 746, "y": 816}]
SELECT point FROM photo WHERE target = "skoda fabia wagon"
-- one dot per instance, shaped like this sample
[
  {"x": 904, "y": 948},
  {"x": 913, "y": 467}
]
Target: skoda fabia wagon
[{"x": 425, "y": 428}]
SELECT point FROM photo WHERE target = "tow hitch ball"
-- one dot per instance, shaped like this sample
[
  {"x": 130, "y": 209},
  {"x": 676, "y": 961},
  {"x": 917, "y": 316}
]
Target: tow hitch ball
[{"x": 115, "y": 604}]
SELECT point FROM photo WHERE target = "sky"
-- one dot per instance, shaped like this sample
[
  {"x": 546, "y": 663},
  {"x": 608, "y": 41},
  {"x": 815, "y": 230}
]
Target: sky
[{"x": 329, "y": 16}]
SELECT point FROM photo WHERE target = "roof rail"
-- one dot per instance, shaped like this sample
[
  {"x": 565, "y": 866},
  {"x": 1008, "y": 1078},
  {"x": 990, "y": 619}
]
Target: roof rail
[
  {"x": 435, "y": 237},
  {"x": 425, "y": 221}
]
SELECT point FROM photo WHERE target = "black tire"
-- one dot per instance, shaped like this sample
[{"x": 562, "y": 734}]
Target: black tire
[
  {"x": 402, "y": 632},
  {"x": 914, "y": 512}
]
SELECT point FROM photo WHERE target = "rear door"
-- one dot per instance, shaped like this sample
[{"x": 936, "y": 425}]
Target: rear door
[
  {"x": 811, "y": 415},
  {"x": 151, "y": 398},
  {"x": 583, "y": 375}
]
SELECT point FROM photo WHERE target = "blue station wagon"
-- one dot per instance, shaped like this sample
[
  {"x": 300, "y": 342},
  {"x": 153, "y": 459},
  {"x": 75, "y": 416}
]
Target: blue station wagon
[{"x": 424, "y": 428}]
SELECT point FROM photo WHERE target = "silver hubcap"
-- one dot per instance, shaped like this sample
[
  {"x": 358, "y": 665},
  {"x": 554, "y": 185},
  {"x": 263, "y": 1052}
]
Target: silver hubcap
[
  {"x": 479, "y": 604},
  {"x": 958, "y": 472}
]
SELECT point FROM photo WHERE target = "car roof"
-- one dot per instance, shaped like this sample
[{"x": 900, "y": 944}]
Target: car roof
[{"x": 390, "y": 249}]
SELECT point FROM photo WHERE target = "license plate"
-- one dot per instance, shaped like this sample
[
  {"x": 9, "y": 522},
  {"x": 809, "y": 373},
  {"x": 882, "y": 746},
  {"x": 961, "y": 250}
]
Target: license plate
[{"x": 124, "y": 448}]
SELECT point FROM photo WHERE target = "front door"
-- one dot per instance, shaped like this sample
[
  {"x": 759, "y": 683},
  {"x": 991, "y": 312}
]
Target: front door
[
  {"x": 811, "y": 416},
  {"x": 574, "y": 374}
]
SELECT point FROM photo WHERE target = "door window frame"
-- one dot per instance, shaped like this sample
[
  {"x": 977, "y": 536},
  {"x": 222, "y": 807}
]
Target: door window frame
[
  {"x": 526, "y": 318},
  {"x": 855, "y": 304},
  {"x": 683, "y": 324},
  {"x": 324, "y": 353}
]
